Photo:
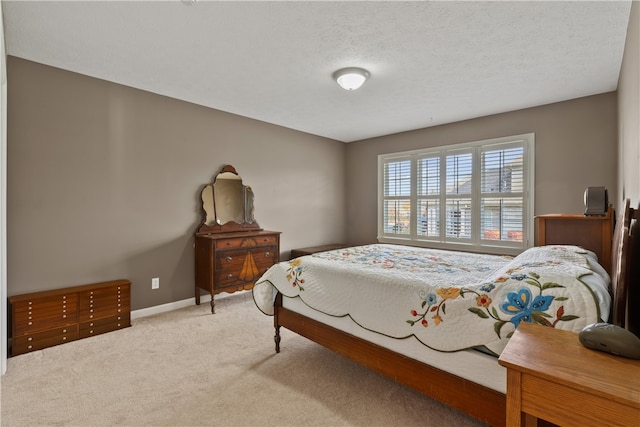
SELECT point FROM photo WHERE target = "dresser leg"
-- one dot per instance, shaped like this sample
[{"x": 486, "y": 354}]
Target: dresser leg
[
  {"x": 213, "y": 305},
  {"x": 197, "y": 296}
]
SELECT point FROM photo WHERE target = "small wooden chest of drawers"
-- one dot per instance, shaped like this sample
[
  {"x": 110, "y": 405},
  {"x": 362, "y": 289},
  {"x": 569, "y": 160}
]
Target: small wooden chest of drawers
[
  {"x": 295, "y": 253},
  {"x": 230, "y": 262},
  {"x": 48, "y": 318}
]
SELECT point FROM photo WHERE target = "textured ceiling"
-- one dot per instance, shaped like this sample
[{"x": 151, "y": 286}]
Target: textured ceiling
[{"x": 430, "y": 62}]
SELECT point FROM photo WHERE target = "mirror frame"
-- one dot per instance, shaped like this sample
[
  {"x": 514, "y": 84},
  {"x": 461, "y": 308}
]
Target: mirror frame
[{"x": 210, "y": 219}]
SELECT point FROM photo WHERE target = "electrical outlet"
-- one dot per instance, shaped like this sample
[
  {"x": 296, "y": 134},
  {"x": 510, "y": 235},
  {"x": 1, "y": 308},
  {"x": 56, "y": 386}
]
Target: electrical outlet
[{"x": 155, "y": 283}]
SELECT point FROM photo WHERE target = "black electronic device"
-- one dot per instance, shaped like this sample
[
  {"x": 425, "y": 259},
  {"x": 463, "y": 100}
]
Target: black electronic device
[
  {"x": 596, "y": 201},
  {"x": 610, "y": 339}
]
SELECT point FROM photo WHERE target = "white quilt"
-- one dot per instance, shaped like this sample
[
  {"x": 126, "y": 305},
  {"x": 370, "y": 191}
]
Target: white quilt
[{"x": 448, "y": 300}]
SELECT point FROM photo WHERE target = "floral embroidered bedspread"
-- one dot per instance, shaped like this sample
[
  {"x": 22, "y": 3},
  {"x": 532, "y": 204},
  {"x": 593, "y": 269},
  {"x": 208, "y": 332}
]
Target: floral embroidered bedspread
[{"x": 448, "y": 300}]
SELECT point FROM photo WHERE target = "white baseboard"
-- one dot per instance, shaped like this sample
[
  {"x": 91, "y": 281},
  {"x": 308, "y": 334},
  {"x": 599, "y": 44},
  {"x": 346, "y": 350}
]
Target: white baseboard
[{"x": 170, "y": 306}]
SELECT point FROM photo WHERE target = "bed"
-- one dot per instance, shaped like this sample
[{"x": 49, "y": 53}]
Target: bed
[{"x": 441, "y": 336}]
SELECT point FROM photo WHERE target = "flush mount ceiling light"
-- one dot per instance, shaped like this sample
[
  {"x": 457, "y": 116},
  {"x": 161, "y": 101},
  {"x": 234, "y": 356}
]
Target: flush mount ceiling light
[{"x": 351, "y": 78}]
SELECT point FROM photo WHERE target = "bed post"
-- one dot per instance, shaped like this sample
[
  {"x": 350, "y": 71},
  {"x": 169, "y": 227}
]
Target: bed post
[{"x": 276, "y": 307}]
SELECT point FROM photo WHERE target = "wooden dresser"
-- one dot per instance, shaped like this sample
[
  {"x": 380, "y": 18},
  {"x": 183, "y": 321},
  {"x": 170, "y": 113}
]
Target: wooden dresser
[
  {"x": 590, "y": 232},
  {"x": 231, "y": 250},
  {"x": 230, "y": 262},
  {"x": 48, "y": 318}
]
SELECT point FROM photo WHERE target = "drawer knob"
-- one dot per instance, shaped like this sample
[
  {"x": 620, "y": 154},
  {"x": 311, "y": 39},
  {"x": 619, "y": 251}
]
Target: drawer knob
[
  {"x": 267, "y": 254},
  {"x": 229, "y": 276},
  {"x": 229, "y": 259}
]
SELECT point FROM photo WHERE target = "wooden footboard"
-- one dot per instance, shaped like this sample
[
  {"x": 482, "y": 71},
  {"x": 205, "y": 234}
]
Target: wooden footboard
[{"x": 476, "y": 400}]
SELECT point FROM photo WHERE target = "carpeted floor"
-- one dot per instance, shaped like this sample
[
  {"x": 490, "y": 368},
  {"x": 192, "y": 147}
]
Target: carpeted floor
[{"x": 190, "y": 368}]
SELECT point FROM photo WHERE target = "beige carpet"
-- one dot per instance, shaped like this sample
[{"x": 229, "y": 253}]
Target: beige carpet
[{"x": 190, "y": 368}]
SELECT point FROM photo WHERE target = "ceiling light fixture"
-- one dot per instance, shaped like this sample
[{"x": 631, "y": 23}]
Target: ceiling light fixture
[{"x": 351, "y": 78}]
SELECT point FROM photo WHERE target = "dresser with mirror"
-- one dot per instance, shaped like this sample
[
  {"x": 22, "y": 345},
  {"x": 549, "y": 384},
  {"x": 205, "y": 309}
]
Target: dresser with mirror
[{"x": 231, "y": 250}]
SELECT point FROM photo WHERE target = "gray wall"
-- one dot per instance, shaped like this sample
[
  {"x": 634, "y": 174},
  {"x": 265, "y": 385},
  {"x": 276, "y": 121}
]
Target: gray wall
[
  {"x": 629, "y": 113},
  {"x": 575, "y": 145},
  {"x": 104, "y": 181}
]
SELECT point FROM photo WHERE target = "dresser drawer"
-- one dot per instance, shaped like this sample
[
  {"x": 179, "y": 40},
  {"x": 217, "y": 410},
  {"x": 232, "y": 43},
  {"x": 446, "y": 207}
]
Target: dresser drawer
[
  {"x": 37, "y": 341},
  {"x": 44, "y": 313},
  {"x": 107, "y": 324},
  {"x": 243, "y": 266},
  {"x": 265, "y": 258},
  {"x": 246, "y": 242}
]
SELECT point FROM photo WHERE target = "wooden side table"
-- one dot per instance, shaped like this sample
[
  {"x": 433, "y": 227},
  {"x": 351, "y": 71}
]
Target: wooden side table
[
  {"x": 551, "y": 376},
  {"x": 295, "y": 253}
]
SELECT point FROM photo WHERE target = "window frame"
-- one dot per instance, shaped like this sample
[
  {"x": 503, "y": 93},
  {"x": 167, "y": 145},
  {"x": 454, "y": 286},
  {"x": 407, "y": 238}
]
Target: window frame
[{"x": 476, "y": 243}]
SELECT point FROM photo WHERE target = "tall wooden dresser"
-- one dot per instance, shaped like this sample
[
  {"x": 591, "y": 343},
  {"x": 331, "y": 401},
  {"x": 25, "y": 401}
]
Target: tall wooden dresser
[
  {"x": 590, "y": 232},
  {"x": 231, "y": 250},
  {"x": 48, "y": 318}
]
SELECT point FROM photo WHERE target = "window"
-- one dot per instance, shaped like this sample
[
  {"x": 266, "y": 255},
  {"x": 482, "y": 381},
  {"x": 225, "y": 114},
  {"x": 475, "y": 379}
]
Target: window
[{"x": 476, "y": 196}]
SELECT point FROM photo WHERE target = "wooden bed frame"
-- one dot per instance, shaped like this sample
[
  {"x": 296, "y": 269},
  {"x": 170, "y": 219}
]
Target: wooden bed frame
[{"x": 479, "y": 401}]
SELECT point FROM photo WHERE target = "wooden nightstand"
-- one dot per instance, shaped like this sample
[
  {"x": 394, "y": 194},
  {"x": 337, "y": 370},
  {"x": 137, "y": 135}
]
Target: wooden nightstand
[
  {"x": 295, "y": 253},
  {"x": 551, "y": 376}
]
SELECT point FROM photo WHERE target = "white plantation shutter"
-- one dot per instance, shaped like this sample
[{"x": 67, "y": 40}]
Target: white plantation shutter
[
  {"x": 476, "y": 195},
  {"x": 502, "y": 192},
  {"x": 459, "y": 185},
  {"x": 397, "y": 197},
  {"x": 428, "y": 196}
]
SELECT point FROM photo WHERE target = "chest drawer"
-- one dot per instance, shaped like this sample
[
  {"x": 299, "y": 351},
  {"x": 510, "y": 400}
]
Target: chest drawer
[
  {"x": 51, "y": 337},
  {"x": 37, "y": 314},
  {"x": 103, "y": 325},
  {"x": 103, "y": 303}
]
